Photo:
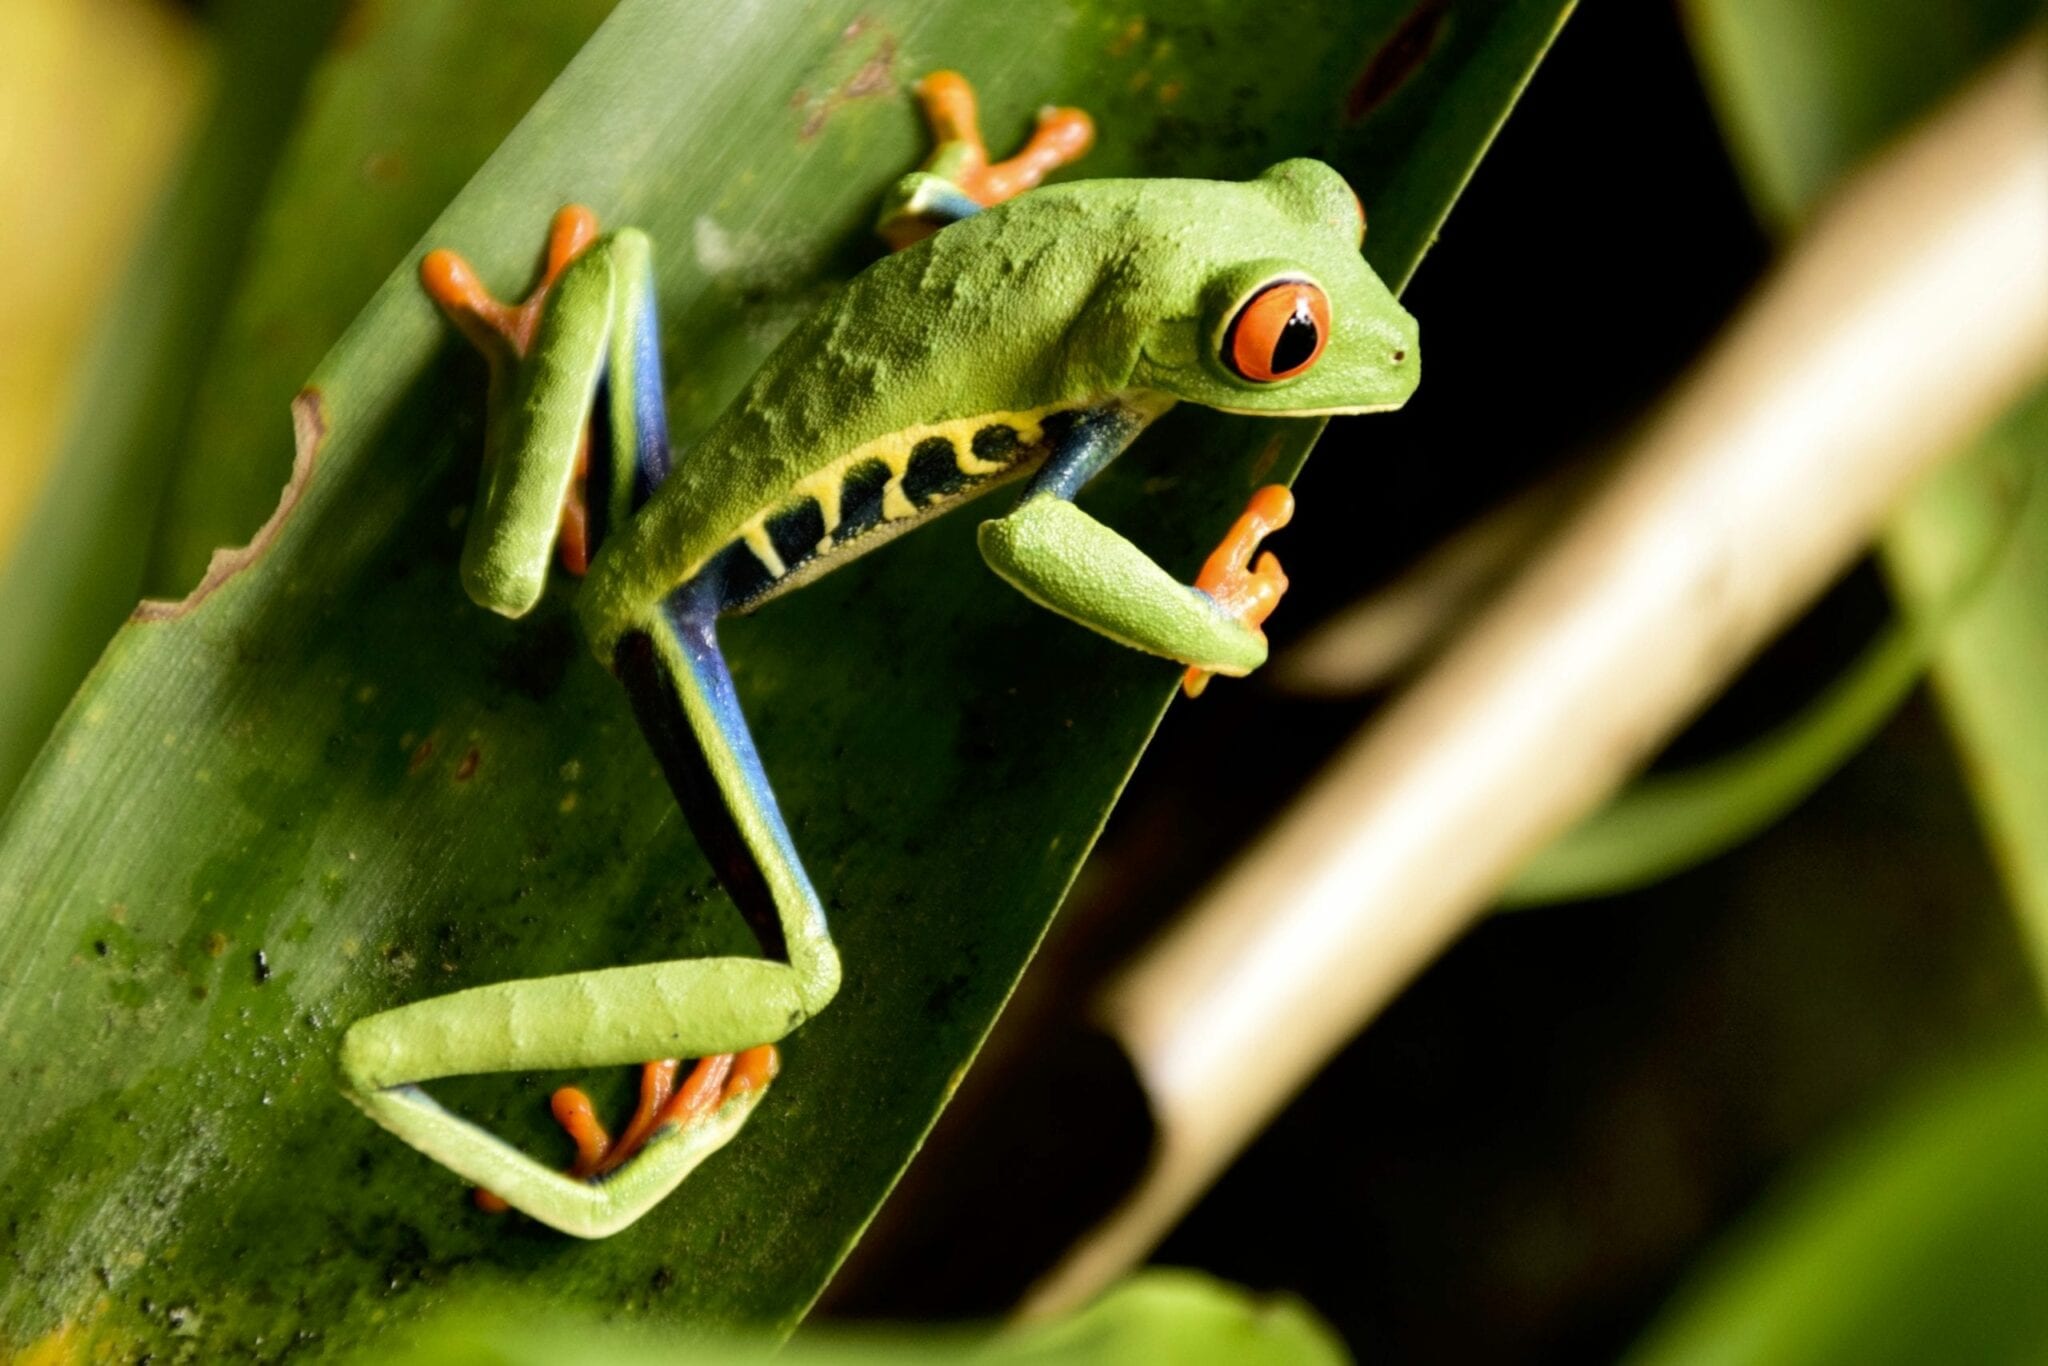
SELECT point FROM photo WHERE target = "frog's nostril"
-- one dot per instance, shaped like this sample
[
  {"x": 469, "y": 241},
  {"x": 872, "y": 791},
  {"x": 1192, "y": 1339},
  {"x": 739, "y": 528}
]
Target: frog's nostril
[{"x": 1400, "y": 356}]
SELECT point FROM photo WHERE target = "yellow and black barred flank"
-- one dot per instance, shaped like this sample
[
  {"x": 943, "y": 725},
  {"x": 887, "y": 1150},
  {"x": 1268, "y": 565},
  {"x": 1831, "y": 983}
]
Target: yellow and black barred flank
[{"x": 876, "y": 492}]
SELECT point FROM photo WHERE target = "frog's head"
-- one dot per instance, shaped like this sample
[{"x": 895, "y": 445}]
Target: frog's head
[{"x": 1272, "y": 309}]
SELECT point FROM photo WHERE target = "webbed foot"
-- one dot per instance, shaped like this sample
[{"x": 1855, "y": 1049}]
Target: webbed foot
[
  {"x": 958, "y": 178},
  {"x": 504, "y": 333},
  {"x": 1246, "y": 591},
  {"x": 711, "y": 1083}
]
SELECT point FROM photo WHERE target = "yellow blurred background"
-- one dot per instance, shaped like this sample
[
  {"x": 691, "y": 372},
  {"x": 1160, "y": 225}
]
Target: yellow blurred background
[{"x": 96, "y": 97}]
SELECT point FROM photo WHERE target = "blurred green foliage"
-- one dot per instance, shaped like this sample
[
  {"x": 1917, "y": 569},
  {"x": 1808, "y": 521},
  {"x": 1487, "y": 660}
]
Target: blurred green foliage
[
  {"x": 1805, "y": 92},
  {"x": 1923, "y": 1237},
  {"x": 71, "y": 580},
  {"x": 1160, "y": 1318}
]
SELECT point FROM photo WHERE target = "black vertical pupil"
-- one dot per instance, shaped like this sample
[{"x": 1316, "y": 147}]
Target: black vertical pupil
[{"x": 1297, "y": 340}]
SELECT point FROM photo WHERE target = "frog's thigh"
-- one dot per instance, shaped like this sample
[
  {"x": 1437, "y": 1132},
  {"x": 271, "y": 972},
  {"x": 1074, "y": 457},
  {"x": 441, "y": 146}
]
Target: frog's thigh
[{"x": 684, "y": 699}]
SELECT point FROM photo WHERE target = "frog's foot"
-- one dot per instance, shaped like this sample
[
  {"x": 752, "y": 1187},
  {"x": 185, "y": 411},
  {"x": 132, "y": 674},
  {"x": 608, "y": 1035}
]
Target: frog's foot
[
  {"x": 1246, "y": 591},
  {"x": 1063, "y": 135},
  {"x": 711, "y": 1083},
  {"x": 504, "y": 333},
  {"x": 958, "y": 178}
]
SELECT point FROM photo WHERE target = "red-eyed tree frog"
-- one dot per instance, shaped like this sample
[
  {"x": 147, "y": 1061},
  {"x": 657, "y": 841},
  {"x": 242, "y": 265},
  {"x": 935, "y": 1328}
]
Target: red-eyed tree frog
[{"x": 1013, "y": 337}]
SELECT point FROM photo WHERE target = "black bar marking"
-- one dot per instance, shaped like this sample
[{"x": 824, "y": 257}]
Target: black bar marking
[
  {"x": 860, "y": 499},
  {"x": 796, "y": 531},
  {"x": 933, "y": 471},
  {"x": 997, "y": 441},
  {"x": 739, "y": 574}
]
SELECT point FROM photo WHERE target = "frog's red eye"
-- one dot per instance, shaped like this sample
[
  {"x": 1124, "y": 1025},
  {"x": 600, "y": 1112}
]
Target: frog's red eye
[{"x": 1279, "y": 332}]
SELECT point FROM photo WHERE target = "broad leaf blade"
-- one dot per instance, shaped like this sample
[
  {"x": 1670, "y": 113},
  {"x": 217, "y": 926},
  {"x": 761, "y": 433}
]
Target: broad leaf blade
[
  {"x": 274, "y": 236},
  {"x": 331, "y": 760}
]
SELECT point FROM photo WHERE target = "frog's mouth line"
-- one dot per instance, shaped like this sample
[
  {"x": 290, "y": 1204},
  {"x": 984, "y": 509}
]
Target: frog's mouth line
[{"x": 1339, "y": 411}]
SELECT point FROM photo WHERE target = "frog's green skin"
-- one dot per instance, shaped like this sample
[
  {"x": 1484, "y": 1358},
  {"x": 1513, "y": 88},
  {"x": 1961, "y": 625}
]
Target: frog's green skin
[{"x": 1034, "y": 340}]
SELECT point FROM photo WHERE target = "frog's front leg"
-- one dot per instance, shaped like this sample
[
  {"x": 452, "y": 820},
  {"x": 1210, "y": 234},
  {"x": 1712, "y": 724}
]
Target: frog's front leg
[
  {"x": 958, "y": 180},
  {"x": 537, "y": 448},
  {"x": 1065, "y": 560}
]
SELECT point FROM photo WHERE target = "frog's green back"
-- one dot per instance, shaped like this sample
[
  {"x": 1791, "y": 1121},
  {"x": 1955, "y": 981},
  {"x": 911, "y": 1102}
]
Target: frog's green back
[{"x": 944, "y": 369}]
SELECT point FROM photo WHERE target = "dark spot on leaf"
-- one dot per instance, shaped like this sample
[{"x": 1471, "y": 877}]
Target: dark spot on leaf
[
  {"x": 466, "y": 770},
  {"x": 216, "y": 944},
  {"x": 537, "y": 659},
  {"x": 420, "y": 756},
  {"x": 261, "y": 963},
  {"x": 945, "y": 998},
  {"x": 1389, "y": 68},
  {"x": 99, "y": 946}
]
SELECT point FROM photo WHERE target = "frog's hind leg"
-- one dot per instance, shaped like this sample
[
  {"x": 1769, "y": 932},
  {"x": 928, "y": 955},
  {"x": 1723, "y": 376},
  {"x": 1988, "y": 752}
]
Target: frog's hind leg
[
  {"x": 726, "y": 1012},
  {"x": 684, "y": 698},
  {"x": 629, "y": 431}
]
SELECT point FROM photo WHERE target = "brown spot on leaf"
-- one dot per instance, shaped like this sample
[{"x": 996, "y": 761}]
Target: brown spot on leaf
[
  {"x": 386, "y": 169},
  {"x": 420, "y": 756},
  {"x": 309, "y": 432},
  {"x": 1388, "y": 69},
  {"x": 876, "y": 75},
  {"x": 466, "y": 770}
]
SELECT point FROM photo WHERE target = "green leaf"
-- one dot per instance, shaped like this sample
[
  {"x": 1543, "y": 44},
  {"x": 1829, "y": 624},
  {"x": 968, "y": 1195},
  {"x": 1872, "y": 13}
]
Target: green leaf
[
  {"x": 1806, "y": 91},
  {"x": 225, "y": 311},
  {"x": 1989, "y": 669},
  {"x": 401, "y": 114},
  {"x": 78, "y": 567},
  {"x": 1922, "y": 1238},
  {"x": 1162, "y": 1318},
  {"x": 326, "y": 784}
]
